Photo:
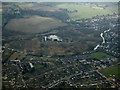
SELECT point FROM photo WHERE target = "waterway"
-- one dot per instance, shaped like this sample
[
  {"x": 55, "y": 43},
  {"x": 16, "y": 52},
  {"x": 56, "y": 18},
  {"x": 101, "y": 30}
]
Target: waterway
[{"x": 103, "y": 39}]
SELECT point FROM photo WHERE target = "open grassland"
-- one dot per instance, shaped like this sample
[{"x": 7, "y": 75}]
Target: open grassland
[
  {"x": 34, "y": 24},
  {"x": 84, "y": 11},
  {"x": 100, "y": 55},
  {"x": 112, "y": 71}
]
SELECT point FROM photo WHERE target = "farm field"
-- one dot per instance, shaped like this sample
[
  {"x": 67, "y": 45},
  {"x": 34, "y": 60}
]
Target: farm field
[
  {"x": 32, "y": 6},
  {"x": 0, "y": 20},
  {"x": 112, "y": 71},
  {"x": 84, "y": 11},
  {"x": 23, "y": 5},
  {"x": 16, "y": 55},
  {"x": 0, "y": 16},
  {"x": 100, "y": 55},
  {"x": 34, "y": 24},
  {"x": 20, "y": 56}
]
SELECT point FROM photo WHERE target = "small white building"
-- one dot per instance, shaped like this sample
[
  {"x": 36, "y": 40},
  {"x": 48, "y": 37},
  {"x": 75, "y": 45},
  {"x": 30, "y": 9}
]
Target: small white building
[
  {"x": 31, "y": 65},
  {"x": 53, "y": 38},
  {"x": 45, "y": 38}
]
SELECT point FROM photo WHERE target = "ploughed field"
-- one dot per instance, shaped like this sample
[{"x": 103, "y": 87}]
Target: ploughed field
[{"x": 33, "y": 24}]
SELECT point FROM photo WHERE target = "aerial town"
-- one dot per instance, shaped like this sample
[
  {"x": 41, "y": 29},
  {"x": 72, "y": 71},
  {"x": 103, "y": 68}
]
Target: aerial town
[{"x": 77, "y": 53}]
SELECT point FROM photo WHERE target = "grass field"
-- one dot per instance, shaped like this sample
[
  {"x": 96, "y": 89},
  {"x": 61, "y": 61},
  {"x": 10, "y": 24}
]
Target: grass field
[
  {"x": 112, "y": 71},
  {"x": 100, "y": 55},
  {"x": 33, "y": 24},
  {"x": 84, "y": 11}
]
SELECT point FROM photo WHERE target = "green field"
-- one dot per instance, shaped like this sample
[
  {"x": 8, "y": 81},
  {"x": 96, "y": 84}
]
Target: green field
[
  {"x": 84, "y": 11},
  {"x": 33, "y": 24},
  {"x": 112, "y": 71},
  {"x": 100, "y": 55}
]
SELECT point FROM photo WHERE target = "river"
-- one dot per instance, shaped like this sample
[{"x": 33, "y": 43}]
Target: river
[{"x": 103, "y": 39}]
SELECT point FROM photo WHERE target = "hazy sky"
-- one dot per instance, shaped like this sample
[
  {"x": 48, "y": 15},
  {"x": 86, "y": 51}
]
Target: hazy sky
[{"x": 60, "y": 0}]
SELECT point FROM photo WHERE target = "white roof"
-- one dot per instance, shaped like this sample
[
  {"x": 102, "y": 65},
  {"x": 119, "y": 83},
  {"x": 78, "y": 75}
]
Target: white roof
[
  {"x": 31, "y": 65},
  {"x": 53, "y": 37}
]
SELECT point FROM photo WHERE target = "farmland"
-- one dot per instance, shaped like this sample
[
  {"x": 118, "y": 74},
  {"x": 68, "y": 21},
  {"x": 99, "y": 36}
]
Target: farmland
[
  {"x": 23, "y": 5},
  {"x": 34, "y": 24},
  {"x": 112, "y": 71},
  {"x": 84, "y": 11},
  {"x": 0, "y": 16},
  {"x": 0, "y": 20},
  {"x": 17, "y": 56}
]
